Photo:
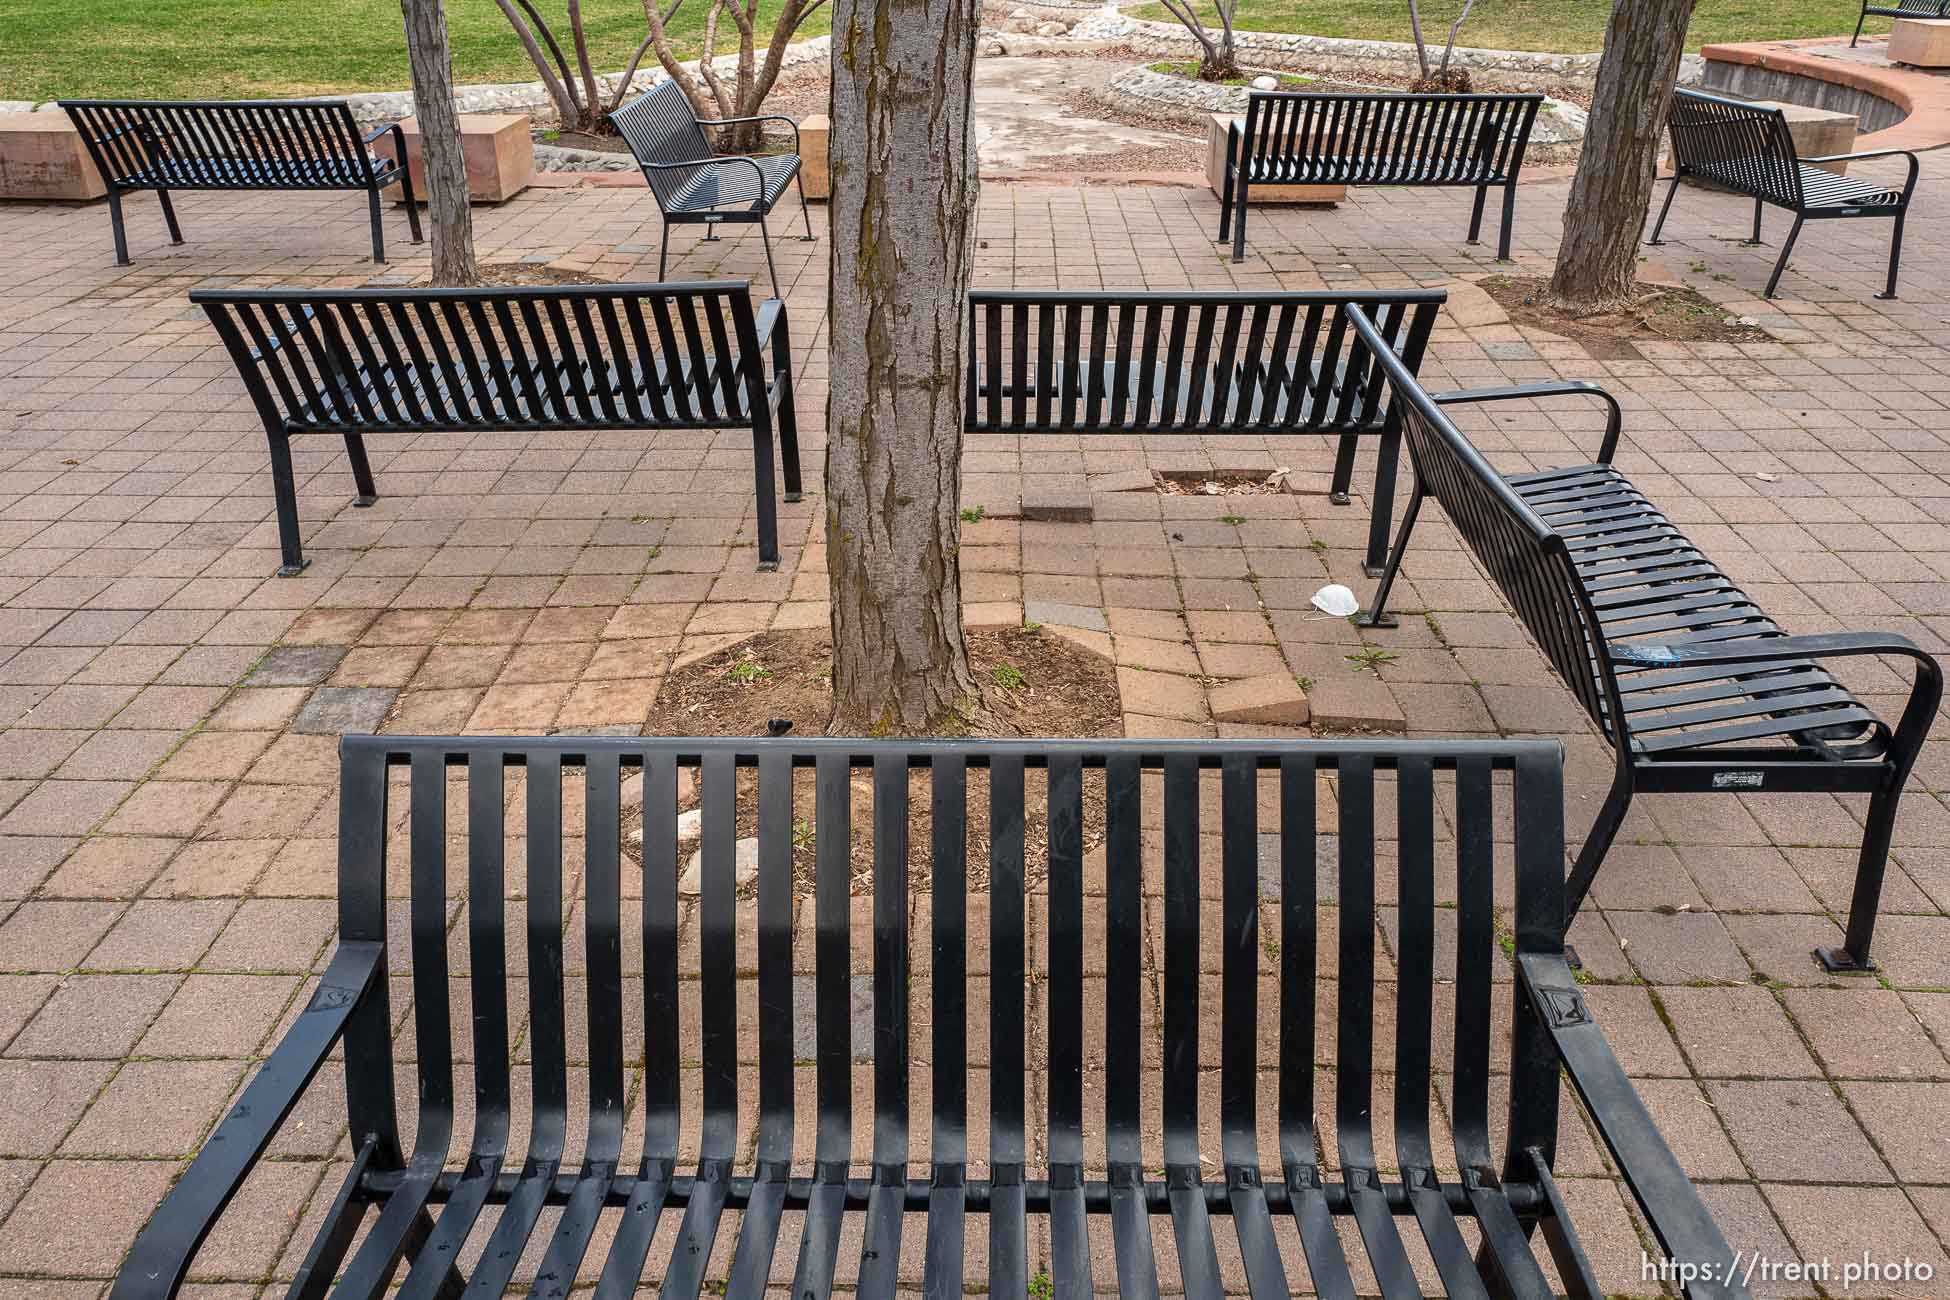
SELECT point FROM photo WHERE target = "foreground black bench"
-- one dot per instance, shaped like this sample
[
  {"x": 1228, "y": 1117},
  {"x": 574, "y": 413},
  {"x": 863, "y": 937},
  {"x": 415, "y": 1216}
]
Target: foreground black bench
[
  {"x": 1905, "y": 9},
  {"x": 693, "y": 185},
  {"x": 1695, "y": 687},
  {"x": 1747, "y": 148},
  {"x": 585, "y": 359},
  {"x": 1266, "y": 364},
  {"x": 255, "y": 144},
  {"x": 985, "y": 1177},
  {"x": 1305, "y": 137}
]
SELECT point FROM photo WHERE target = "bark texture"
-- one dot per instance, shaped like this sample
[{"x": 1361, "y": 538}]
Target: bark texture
[
  {"x": 446, "y": 168},
  {"x": 903, "y": 207},
  {"x": 1606, "y": 214}
]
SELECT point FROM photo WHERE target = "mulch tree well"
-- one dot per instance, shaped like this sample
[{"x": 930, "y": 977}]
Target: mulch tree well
[
  {"x": 1669, "y": 313},
  {"x": 1037, "y": 684}
]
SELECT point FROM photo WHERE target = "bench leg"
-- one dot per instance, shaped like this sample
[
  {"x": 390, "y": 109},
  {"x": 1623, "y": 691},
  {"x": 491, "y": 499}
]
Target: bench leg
[
  {"x": 1239, "y": 224},
  {"x": 788, "y": 416},
  {"x": 412, "y": 205},
  {"x": 1858, "y": 26},
  {"x": 799, "y": 179},
  {"x": 1749, "y": 243},
  {"x": 355, "y": 451},
  {"x": 1476, "y": 216},
  {"x": 115, "y": 221},
  {"x": 1597, "y": 843},
  {"x": 1225, "y": 204},
  {"x": 1337, "y": 491},
  {"x": 1387, "y": 457},
  {"x": 1895, "y": 256},
  {"x": 378, "y": 234},
  {"x": 768, "y": 510},
  {"x": 663, "y": 251},
  {"x": 1509, "y": 218},
  {"x": 765, "y": 237},
  {"x": 1794, "y": 232},
  {"x": 1853, "y": 955},
  {"x": 169, "y": 217},
  {"x": 284, "y": 489},
  {"x": 1672, "y": 192},
  {"x": 1377, "y": 615}
]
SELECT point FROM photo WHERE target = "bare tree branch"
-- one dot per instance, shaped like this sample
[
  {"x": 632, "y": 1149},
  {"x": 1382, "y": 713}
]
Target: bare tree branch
[
  {"x": 560, "y": 89},
  {"x": 581, "y": 39},
  {"x": 1442, "y": 73}
]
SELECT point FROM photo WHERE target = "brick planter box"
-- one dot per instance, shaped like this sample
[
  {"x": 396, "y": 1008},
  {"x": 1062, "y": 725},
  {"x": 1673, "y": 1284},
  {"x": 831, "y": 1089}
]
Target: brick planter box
[
  {"x": 499, "y": 148},
  {"x": 1215, "y": 170},
  {"x": 1920, "y": 42},
  {"x": 42, "y": 157},
  {"x": 815, "y": 167}
]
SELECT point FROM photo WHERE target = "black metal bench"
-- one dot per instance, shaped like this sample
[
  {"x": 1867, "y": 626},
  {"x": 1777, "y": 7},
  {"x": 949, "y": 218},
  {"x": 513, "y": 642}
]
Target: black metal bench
[
  {"x": 589, "y": 358},
  {"x": 932, "y": 1003},
  {"x": 1268, "y": 364},
  {"x": 695, "y": 186},
  {"x": 1697, "y": 690},
  {"x": 258, "y": 144},
  {"x": 1747, "y": 149},
  {"x": 1304, "y": 137},
  {"x": 1913, "y": 9}
]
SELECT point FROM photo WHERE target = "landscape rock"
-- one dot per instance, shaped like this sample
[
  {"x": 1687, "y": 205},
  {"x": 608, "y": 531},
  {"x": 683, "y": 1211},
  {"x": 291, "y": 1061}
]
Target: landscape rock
[
  {"x": 1052, "y": 29},
  {"x": 1266, "y": 83},
  {"x": 744, "y": 871}
]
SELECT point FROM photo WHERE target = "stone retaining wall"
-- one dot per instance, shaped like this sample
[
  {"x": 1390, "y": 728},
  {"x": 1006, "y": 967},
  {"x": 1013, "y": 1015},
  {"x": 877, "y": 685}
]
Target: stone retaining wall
[
  {"x": 1559, "y": 122},
  {"x": 1284, "y": 51}
]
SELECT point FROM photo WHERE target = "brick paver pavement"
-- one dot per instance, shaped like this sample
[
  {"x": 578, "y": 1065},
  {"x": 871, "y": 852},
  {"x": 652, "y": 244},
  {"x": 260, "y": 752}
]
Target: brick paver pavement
[{"x": 167, "y": 775}]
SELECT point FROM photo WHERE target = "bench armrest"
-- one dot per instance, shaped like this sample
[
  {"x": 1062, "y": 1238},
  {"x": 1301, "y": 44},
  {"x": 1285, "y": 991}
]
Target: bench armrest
[
  {"x": 1665, "y": 1195},
  {"x": 765, "y": 318},
  {"x": 161, "y": 1256},
  {"x": 382, "y": 129},
  {"x": 1924, "y": 697},
  {"x": 1555, "y": 388},
  {"x": 1824, "y": 645},
  {"x": 1914, "y": 164}
]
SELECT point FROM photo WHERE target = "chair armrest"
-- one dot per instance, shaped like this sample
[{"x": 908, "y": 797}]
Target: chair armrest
[
  {"x": 161, "y": 1256},
  {"x": 716, "y": 160},
  {"x": 762, "y": 117},
  {"x": 1665, "y": 1195},
  {"x": 1614, "y": 417}
]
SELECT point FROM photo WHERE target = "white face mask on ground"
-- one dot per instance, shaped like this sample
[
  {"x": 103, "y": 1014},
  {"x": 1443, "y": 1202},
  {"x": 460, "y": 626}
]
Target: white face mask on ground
[{"x": 1336, "y": 600}]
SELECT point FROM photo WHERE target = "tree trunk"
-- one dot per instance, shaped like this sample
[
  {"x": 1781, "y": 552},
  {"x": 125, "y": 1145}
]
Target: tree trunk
[
  {"x": 446, "y": 168},
  {"x": 1605, "y": 217},
  {"x": 903, "y": 206}
]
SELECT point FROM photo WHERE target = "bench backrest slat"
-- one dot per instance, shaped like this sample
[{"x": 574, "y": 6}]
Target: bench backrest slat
[
  {"x": 1743, "y": 146},
  {"x": 1523, "y": 555},
  {"x": 661, "y": 127},
  {"x": 312, "y": 143},
  {"x": 1193, "y": 363},
  {"x": 1240, "y": 949},
  {"x": 595, "y": 357},
  {"x": 1391, "y": 139}
]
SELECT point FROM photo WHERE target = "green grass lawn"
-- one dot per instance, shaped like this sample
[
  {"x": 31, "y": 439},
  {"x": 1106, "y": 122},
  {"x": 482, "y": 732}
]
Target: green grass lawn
[
  {"x": 213, "y": 49},
  {"x": 1559, "y": 26}
]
